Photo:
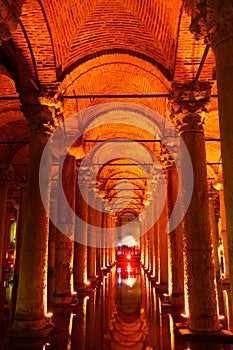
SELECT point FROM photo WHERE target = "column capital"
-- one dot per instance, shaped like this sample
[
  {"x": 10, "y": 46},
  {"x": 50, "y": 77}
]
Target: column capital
[
  {"x": 9, "y": 18},
  {"x": 213, "y": 20},
  {"x": 84, "y": 175},
  {"x": 187, "y": 106},
  {"x": 6, "y": 174},
  {"x": 39, "y": 119}
]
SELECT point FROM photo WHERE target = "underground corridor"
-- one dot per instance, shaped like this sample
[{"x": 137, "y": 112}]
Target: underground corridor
[{"x": 116, "y": 174}]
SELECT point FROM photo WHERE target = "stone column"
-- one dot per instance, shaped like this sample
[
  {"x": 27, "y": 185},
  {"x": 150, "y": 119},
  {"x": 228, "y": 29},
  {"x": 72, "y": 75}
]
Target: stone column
[
  {"x": 105, "y": 232},
  {"x": 19, "y": 240},
  {"x": 156, "y": 252},
  {"x": 175, "y": 238},
  {"x": 3, "y": 206},
  {"x": 3, "y": 233},
  {"x": 215, "y": 22},
  {"x": 187, "y": 106},
  {"x": 102, "y": 252},
  {"x": 51, "y": 248},
  {"x": 91, "y": 239},
  {"x": 98, "y": 222},
  {"x": 163, "y": 248},
  {"x": 142, "y": 244},
  {"x": 10, "y": 14},
  {"x": 214, "y": 217},
  {"x": 31, "y": 305},
  {"x": 224, "y": 234},
  {"x": 80, "y": 244},
  {"x": 63, "y": 274}
]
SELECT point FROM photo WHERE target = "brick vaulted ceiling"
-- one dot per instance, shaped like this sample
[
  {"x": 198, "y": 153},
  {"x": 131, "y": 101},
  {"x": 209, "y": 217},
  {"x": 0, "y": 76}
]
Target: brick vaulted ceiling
[{"x": 100, "y": 47}]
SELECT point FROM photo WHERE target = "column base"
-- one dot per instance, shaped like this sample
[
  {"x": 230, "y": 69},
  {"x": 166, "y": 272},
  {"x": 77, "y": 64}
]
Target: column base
[
  {"x": 82, "y": 288},
  {"x": 222, "y": 336},
  {"x": 30, "y": 328},
  {"x": 65, "y": 299}
]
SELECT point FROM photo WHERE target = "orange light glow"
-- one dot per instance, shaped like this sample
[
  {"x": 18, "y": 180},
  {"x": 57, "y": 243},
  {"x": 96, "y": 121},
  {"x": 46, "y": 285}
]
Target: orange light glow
[
  {"x": 87, "y": 283},
  {"x": 221, "y": 317},
  {"x": 184, "y": 315},
  {"x": 128, "y": 256}
]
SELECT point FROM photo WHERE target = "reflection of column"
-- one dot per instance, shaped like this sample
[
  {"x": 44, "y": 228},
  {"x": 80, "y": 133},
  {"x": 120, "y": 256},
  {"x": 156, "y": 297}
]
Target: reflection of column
[
  {"x": 31, "y": 306},
  {"x": 63, "y": 276},
  {"x": 19, "y": 240},
  {"x": 78, "y": 336},
  {"x": 90, "y": 322},
  {"x": 61, "y": 337},
  {"x": 200, "y": 283},
  {"x": 80, "y": 244},
  {"x": 175, "y": 242},
  {"x": 224, "y": 234}
]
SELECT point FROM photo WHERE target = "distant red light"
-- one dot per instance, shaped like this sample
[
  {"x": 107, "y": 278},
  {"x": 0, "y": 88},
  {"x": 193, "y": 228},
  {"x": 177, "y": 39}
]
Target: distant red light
[{"x": 128, "y": 256}]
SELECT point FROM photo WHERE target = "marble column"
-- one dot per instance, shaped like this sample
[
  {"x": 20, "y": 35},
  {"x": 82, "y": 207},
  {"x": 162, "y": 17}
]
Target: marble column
[
  {"x": 156, "y": 252},
  {"x": 3, "y": 211},
  {"x": 80, "y": 244},
  {"x": 163, "y": 248},
  {"x": 224, "y": 234},
  {"x": 214, "y": 217},
  {"x": 91, "y": 239},
  {"x": 31, "y": 305},
  {"x": 63, "y": 273},
  {"x": 214, "y": 21},
  {"x": 187, "y": 106},
  {"x": 175, "y": 242},
  {"x": 51, "y": 249},
  {"x": 18, "y": 250},
  {"x": 3, "y": 233}
]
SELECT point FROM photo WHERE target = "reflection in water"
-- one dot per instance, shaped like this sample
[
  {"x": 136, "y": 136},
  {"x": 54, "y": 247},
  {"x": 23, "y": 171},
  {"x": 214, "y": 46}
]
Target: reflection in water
[{"x": 123, "y": 312}]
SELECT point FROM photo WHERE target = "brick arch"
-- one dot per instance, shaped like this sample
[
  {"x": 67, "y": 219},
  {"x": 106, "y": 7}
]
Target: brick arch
[
  {"x": 81, "y": 28},
  {"x": 114, "y": 74},
  {"x": 189, "y": 54},
  {"x": 146, "y": 29},
  {"x": 33, "y": 39}
]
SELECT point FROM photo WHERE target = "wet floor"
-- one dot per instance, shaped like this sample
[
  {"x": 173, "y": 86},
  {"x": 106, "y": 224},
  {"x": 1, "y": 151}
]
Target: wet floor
[{"x": 123, "y": 313}]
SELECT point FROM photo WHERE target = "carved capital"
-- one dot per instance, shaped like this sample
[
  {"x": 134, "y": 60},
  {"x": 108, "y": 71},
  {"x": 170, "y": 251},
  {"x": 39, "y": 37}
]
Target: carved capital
[
  {"x": 84, "y": 176},
  {"x": 6, "y": 175},
  {"x": 39, "y": 119},
  {"x": 213, "y": 20},
  {"x": 9, "y": 17},
  {"x": 170, "y": 146},
  {"x": 166, "y": 157},
  {"x": 187, "y": 106},
  {"x": 50, "y": 99}
]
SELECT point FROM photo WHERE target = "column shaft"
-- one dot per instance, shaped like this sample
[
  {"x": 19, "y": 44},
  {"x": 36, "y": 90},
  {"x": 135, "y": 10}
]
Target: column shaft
[
  {"x": 31, "y": 306},
  {"x": 63, "y": 276},
  {"x": 80, "y": 249},
  {"x": 199, "y": 267},
  {"x": 175, "y": 243}
]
